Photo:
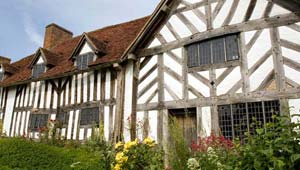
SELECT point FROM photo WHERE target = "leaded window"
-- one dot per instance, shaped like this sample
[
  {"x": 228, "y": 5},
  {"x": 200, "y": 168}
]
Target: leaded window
[
  {"x": 236, "y": 119},
  {"x": 38, "y": 69},
  {"x": 83, "y": 60},
  {"x": 62, "y": 118},
  {"x": 213, "y": 51},
  {"x": 38, "y": 121},
  {"x": 89, "y": 116}
]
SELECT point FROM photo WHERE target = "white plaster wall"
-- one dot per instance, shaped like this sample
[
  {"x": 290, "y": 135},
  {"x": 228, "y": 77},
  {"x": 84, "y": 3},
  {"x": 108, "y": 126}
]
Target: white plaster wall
[
  {"x": 79, "y": 87},
  {"x": 75, "y": 124},
  {"x": 40, "y": 60},
  {"x": 179, "y": 27},
  {"x": 261, "y": 73},
  {"x": 9, "y": 110},
  {"x": 206, "y": 120},
  {"x": 106, "y": 122},
  {"x": 73, "y": 88},
  {"x": 294, "y": 105},
  {"x": 85, "y": 87},
  {"x": 85, "y": 49},
  {"x": 128, "y": 99},
  {"x": 107, "y": 85},
  {"x": 98, "y": 86},
  {"x": 153, "y": 117},
  {"x": 27, "y": 121},
  {"x": 42, "y": 99},
  {"x": 91, "y": 86},
  {"x": 69, "y": 133},
  {"x": 140, "y": 125},
  {"x": 229, "y": 81}
]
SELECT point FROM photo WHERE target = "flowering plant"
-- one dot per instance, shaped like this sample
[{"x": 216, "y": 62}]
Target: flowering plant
[
  {"x": 210, "y": 153},
  {"x": 138, "y": 155}
]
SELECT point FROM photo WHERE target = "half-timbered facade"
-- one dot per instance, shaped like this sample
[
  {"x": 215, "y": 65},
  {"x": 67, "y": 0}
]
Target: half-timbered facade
[
  {"x": 212, "y": 64},
  {"x": 218, "y": 62}
]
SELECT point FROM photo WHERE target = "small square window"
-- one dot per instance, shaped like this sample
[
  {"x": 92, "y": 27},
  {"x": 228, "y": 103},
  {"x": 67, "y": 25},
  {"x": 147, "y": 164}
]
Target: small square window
[
  {"x": 83, "y": 60},
  {"x": 89, "y": 116},
  {"x": 38, "y": 69},
  {"x": 62, "y": 118},
  {"x": 38, "y": 121}
]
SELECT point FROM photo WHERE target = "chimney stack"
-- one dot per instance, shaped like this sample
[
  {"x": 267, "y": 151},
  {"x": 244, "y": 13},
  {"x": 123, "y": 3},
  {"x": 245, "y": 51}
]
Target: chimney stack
[
  {"x": 4, "y": 60},
  {"x": 55, "y": 34}
]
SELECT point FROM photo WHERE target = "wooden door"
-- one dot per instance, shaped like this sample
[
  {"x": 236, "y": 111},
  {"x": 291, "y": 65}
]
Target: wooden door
[{"x": 187, "y": 122}]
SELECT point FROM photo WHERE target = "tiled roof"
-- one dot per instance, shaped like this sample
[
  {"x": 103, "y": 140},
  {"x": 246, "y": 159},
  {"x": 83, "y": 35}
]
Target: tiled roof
[{"x": 117, "y": 38}]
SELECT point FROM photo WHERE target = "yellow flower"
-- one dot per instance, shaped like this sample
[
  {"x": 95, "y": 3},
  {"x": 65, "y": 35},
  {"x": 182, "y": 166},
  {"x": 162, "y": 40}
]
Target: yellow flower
[
  {"x": 119, "y": 144},
  {"x": 118, "y": 167},
  {"x": 129, "y": 144},
  {"x": 148, "y": 141},
  {"x": 119, "y": 157},
  {"x": 125, "y": 159}
]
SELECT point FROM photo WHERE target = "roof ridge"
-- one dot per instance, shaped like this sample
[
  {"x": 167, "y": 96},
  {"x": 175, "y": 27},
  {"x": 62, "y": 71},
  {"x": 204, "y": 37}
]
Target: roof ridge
[{"x": 105, "y": 27}]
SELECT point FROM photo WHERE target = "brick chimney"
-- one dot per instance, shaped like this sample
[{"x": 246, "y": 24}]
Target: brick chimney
[
  {"x": 4, "y": 60},
  {"x": 55, "y": 34}
]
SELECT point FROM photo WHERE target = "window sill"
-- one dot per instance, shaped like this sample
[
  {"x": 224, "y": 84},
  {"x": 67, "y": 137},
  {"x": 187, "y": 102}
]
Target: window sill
[{"x": 214, "y": 66}]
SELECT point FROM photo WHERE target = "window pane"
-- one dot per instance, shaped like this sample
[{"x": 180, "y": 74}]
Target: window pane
[
  {"x": 218, "y": 50},
  {"x": 205, "y": 52},
  {"x": 239, "y": 114},
  {"x": 62, "y": 118},
  {"x": 38, "y": 121},
  {"x": 271, "y": 108},
  {"x": 79, "y": 62},
  {"x": 232, "y": 52},
  {"x": 225, "y": 121},
  {"x": 38, "y": 69},
  {"x": 89, "y": 116},
  {"x": 193, "y": 55},
  {"x": 256, "y": 116}
]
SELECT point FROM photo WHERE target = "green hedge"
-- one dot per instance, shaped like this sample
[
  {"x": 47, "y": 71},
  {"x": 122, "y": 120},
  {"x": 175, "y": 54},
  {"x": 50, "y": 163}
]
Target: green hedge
[{"x": 20, "y": 154}]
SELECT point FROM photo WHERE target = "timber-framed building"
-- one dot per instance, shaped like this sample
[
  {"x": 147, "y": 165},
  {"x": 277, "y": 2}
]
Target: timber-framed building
[{"x": 213, "y": 64}]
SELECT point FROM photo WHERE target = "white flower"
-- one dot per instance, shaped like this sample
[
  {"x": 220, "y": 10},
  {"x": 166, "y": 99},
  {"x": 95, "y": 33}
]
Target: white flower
[{"x": 193, "y": 164}]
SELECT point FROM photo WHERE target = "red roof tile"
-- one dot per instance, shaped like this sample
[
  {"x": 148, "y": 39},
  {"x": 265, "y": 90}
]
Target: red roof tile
[{"x": 117, "y": 38}]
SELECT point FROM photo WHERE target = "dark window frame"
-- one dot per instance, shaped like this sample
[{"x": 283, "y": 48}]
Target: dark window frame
[
  {"x": 236, "y": 119},
  {"x": 83, "y": 60},
  {"x": 62, "y": 118},
  {"x": 88, "y": 118},
  {"x": 40, "y": 121},
  {"x": 38, "y": 69},
  {"x": 208, "y": 62},
  {"x": 1, "y": 75}
]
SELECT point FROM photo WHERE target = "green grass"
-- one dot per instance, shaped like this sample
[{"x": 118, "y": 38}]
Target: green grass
[{"x": 20, "y": 154}]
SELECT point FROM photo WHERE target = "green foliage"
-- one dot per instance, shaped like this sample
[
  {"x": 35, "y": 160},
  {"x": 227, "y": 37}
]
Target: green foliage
[
  {"x": 135, "y": 155},
  {"x": 178, "y": 149},
  {"x": 1, "y": 128},
  {"x": 276, "y": 147},
  {"x": 22, "y": 154}
]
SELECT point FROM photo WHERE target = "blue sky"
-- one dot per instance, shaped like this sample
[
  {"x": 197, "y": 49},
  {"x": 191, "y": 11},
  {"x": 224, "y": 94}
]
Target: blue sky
[{"x": 23, "y": 21}]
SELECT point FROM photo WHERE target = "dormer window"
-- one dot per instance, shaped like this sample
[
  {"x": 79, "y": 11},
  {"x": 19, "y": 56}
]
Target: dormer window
[
  {"x": 83, "y": 60},
  {"x": 87, "y": 51},
  {"x": 38, "y": 69}
]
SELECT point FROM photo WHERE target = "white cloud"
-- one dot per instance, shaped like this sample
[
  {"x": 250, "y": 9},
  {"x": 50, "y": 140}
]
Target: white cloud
[{"x": 31, "y": 31}]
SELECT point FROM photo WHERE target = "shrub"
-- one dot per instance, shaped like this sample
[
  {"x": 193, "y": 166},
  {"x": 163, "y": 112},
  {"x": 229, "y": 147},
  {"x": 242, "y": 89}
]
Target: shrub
[
  {"x": 210, "y": 153},
  {"x": 276, "y": 147},
  {"x": 28, "y": 155},
  {"x": 135, "y": 155},
  {"x": 178, "y": 149}
]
